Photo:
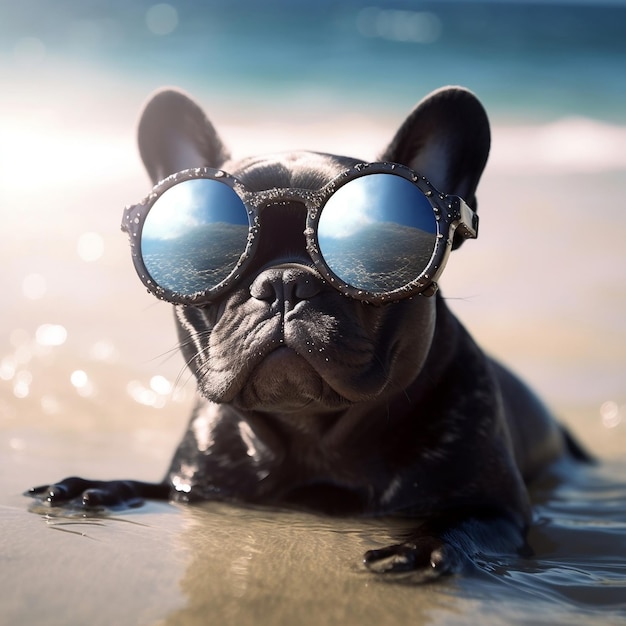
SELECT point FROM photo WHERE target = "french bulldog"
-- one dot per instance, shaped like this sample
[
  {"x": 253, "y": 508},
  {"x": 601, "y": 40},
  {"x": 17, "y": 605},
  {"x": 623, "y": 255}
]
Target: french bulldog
[{"x": 312, "y": 399}]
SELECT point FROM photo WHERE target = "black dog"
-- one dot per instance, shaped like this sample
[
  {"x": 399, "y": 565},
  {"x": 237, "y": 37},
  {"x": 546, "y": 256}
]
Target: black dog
[{"x": 312, "y": 399}]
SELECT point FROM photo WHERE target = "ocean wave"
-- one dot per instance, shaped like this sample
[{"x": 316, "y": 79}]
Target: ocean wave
[
  {"x": 73, "y": 155},
  {"x": 568, "y": 145}
]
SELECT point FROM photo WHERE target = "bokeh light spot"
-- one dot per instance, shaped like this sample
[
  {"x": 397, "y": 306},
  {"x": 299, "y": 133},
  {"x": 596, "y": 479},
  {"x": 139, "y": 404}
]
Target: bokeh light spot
[
  {"x": 51, "y": 335},
  {"x": 82, "y": 384},
  {"x": 422, "y": 27},
  {"x": 161, "y": 19},
  {"x": 105, "y": 351},
  {"x": 160, "y": 385},
  {"x": 610, "y": 414},
  {"x": 7, "y": 368},
  {"x": 21, "y": 384}
]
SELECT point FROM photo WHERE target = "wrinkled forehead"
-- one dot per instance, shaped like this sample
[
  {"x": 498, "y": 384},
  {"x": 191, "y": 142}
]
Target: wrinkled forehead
[{"x": 296, "y": 170}]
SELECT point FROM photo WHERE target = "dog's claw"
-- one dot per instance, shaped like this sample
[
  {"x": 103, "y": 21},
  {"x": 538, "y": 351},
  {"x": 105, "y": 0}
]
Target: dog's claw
[
  {"x": 425, "y": 560},
  {"x": 87, "y": 494},
  {"x": 61, "y": 492},
  {"x": 399, "y": 558}
]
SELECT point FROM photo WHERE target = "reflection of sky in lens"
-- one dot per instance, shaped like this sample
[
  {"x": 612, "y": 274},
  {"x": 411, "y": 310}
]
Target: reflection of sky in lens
[
  {"x": 190, "y": 205},
  {"x": 377, "y": 232},
  {"x": 374, "y": 199},
  {"x": 194, "y": 235}
]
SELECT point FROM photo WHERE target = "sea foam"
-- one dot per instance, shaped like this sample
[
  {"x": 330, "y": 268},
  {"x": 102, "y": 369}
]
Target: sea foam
[{"x": 569, "y": 145}]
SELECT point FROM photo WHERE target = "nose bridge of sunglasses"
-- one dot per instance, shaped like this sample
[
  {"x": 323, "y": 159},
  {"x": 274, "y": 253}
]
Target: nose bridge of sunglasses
[{"x": 280, "y": 235}]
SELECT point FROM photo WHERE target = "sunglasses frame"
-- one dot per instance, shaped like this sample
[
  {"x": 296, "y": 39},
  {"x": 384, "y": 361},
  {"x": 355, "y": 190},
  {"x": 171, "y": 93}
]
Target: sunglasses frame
[{"x": 452, "y": 214}]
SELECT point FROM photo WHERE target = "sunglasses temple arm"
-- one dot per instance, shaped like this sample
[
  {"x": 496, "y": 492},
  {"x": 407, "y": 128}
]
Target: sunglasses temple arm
[
  {"x": 466, "y": 219},
  {"x": 130, "y": 211}
]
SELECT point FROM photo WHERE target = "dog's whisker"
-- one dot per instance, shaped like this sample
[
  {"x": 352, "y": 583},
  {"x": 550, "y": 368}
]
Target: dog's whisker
[{"x": 186, "y": 368}]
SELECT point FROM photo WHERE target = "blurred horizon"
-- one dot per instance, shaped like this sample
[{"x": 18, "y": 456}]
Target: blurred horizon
[
  {"x": 76, "y": 75},
  {"x": 528, "y": 61}
]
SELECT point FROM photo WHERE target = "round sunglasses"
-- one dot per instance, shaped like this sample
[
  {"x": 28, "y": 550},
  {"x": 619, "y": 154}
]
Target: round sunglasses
[{"x": 378, "y": 232}]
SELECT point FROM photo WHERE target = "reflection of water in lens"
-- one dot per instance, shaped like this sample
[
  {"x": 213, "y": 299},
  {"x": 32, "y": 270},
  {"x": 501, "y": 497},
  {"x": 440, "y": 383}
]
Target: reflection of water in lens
[
  {"x": 379, "y": 258},
  {"x": 200, "y": 260},
  {"x": 194, "y": 235},
  {"x": 377, "y": 232}
]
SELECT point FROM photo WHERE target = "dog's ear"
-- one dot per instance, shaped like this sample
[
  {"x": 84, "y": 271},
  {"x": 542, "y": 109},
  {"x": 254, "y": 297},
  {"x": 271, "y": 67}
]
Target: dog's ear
[
  {"x": 445, "y": 138},
  {"x": 174, "y": 134}
]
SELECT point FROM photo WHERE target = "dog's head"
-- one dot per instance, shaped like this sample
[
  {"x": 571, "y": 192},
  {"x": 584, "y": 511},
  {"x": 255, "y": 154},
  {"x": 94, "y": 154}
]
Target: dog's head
[{"x": 283, "y": 340}]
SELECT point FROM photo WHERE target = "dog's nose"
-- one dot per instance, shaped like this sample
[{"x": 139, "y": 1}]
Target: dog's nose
[{"x": 286, "y": 283}]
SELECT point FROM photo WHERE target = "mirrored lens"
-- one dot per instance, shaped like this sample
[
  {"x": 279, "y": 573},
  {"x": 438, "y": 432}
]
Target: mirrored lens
[
  {"x": 377, "y": 232},
  {"x": 194, "y": 235}
]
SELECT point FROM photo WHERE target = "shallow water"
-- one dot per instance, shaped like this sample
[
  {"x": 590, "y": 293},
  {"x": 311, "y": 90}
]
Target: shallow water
[
  {"x": 171, "y": 564},
  {"x": 91, "y": 382}
]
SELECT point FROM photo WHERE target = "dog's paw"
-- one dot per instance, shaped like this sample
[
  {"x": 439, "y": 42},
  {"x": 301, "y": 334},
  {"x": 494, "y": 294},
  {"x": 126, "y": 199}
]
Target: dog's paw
[
  {"x": 89, "y": 495},
  {"x": 423, "y": 560}
]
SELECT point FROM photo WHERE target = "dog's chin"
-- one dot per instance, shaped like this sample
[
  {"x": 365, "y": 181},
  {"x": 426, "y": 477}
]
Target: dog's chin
[{"x": 285, "y": 382}]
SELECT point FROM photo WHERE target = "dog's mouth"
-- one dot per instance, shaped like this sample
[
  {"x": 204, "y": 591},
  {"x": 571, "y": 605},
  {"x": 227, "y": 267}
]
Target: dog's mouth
[
  {"x": 284, "y": 381},
  {"x": 323, "y": 362}
]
